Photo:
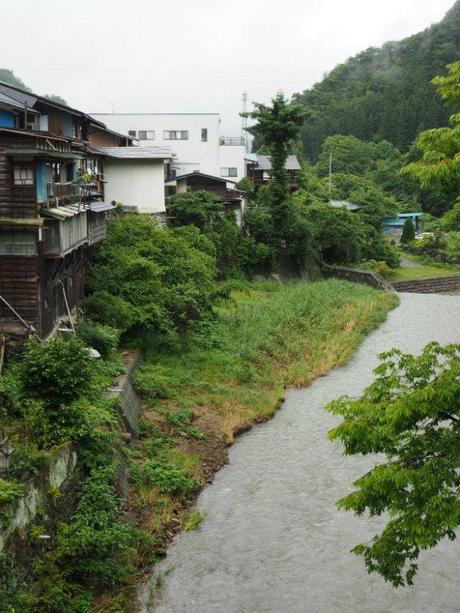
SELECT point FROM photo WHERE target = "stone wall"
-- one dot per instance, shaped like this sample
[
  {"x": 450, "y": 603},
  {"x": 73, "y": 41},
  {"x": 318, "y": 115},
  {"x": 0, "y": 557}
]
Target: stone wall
[
  {"x": 39, "y": 492},
  {"x": 368, "y": 277},
  {"x": 440, "y": 285}
]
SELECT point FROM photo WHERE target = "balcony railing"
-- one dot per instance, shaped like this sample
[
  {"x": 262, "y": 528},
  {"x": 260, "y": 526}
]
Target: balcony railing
[
  {"x": 65, "y": 235},
  {"x": 233, "y": 141}
]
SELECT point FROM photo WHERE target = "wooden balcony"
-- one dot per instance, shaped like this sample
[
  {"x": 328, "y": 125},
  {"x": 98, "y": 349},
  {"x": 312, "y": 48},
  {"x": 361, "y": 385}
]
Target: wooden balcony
[{"x": 66, "y": 228}]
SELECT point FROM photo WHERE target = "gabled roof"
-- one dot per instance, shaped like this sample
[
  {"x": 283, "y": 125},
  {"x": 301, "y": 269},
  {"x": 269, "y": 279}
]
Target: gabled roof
[
  {"x": 22, "y": 96},
  {"x": 264, "y": 162},
  {"x": 137, "y": 153},
  {"x": 12, "y": 102},
  {"x": 205, "y": 176}
]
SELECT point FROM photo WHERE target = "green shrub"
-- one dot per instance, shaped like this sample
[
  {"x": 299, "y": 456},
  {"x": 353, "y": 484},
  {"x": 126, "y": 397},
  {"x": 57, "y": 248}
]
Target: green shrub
[
  {"x": 153, "y": 381},
  {"x": 57, "y": 371},
  {"x": 408, "y": 233},
  {"x": 180, "y": 420},
  {"x": 379, "y": 267},
  {"x": 162, "y": 278},
  {"x": 10, "y": 490},
  {"x": 101, "y": 337},
  {"x": 27, "y": 459}
]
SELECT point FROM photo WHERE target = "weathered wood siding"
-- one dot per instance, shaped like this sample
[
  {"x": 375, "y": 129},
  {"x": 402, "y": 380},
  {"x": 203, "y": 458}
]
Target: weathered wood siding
[
  {"x": 16, "y": 201},
  {"x": 19, "y": 285}
]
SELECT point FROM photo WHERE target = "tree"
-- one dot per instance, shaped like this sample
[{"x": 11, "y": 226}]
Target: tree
[
  {"x": 439, "y": 165},
  {"x": 200, "y": 208},
  {"x": 161, "y": 280},
  {"x": 349, "y": 155},
  {"x": 9, "y": 77},
  {"x": 408, "y": 233},
  {"x": 55, "y": 98},
  {"x": 277, "y": 126},
  {"x": 410, "y": 413}
]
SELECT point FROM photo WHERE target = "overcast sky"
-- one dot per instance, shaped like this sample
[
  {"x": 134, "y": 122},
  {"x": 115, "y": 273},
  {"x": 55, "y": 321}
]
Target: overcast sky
[{"x": 193, "y": 56}]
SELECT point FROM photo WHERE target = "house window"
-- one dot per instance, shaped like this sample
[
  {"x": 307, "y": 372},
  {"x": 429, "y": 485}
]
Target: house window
[
  {"x": 146, "y": 134},
  {"x": 229, "y": 172},
  {"x": 17, "y": 242},
  {"x": 204, "y": 135},
  {"x": 23, "y": 176},
  {"x": 132, "y": 133},
  {"x": 175, "y": 134}
]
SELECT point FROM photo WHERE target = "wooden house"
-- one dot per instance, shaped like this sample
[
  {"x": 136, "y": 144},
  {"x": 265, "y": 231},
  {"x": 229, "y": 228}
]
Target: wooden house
[
  {"x": 259, "y": 169},
  {"x": 51, "y": 210},
  {"x": 232, "y": 198}
]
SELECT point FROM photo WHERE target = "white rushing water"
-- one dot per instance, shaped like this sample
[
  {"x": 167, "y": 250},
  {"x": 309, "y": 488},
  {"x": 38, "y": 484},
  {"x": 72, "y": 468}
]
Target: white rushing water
[{"x": 273, "y": 540}]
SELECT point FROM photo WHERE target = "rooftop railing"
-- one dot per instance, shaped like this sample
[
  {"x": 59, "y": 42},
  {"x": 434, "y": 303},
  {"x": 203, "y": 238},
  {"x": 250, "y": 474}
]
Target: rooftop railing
[{"x": 234, "y": 141}]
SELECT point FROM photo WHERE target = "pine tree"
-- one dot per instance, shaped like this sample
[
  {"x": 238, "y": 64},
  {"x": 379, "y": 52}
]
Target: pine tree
[{"x": 408, "y": 233}]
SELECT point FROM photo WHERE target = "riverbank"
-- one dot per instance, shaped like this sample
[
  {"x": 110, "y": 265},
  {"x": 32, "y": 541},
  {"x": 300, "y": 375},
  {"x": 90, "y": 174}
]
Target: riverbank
[
  {"x": 269, "y": 338},
  {"x": 413, "y": 267},
  {"x": 273, "y": 539}
]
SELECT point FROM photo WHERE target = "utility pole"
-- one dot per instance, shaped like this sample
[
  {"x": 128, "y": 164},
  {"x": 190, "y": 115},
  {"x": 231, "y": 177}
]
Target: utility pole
[
  {"x": 244, "y": 122},
  {"x": 330, "y": 171}
]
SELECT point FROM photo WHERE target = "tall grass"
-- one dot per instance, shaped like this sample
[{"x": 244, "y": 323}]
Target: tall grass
[{"x": 271, "y": 337}]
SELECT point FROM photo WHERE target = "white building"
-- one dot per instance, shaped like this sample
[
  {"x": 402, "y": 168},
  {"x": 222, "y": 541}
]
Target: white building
[
  {"x": 194, "y": 138},
  {"x": 135, "y": 176}
]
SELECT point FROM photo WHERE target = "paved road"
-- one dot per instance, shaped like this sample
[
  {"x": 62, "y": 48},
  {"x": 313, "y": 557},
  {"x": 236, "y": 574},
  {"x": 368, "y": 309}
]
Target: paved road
[{"x": 273, "y": 541}]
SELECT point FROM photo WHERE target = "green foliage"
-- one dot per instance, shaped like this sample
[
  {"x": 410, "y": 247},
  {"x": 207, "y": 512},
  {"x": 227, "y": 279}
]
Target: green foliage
[
  {"x": 411, "y": 413},
  {"x": 439, "y": 165},
  {"x": 379, "y": 267},
  {"x": 277, "y": 126},
  {"x": 164, "y": 280},
  {"x": 383, "y": 93},
  {"x": 167, "y": 472},
  {"x": 26, "y": 460},
  {"x": 339, "y": 234},
  {"x": 408, "y": 232},
  {"x": 194, "y": 520},
  {"x": 10, "y": 491},
  {"x": 180, "y": 420},
  {"x": 198, "y": 208},
  {"x": 451, "y": 248},
  {"x": 349, "y": 155},
  {"x": 451, "y": 219},
  {"x": 57, "y": 371},
  {"x": 98, "y": 336},
  {"x": 9, "y": 77}
]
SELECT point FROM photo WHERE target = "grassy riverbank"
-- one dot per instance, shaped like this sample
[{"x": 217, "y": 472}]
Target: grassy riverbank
[
  {"x": 421, "y": 270},
  {"x": 269, "y": 338}
]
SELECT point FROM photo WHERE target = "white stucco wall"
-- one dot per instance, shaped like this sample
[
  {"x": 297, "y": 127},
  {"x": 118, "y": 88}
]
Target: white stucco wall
[
  {"x": 232, "y": 156},
  {"x": 191, "y": 154},
  {"x": 137, "y": 183}
]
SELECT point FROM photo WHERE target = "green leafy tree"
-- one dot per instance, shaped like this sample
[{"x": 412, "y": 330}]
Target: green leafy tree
[
  {"x": 408, "y": 232},
  {"x": 411, "y": 414},
  {"x": 439, "y": 165},
  {"x": 349, "y": 155},
  {"x": 278, "y": 125},
  {"x": 200, "y": 208},
  {"x": 9, "y": 77},
  {"x": 163, "y": 279}
]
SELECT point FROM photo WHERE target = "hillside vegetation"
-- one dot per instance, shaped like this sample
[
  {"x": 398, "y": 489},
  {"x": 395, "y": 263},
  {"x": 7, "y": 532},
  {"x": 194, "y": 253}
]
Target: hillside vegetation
[{"x": 384, "y": 93}]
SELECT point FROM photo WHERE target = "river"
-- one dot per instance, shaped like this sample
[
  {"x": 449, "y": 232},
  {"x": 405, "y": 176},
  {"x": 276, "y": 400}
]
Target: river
[{"x": 272, "y": 540}]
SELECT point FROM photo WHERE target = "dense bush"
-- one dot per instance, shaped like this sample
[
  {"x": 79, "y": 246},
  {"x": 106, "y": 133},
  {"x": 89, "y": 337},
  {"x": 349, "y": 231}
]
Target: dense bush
[
  {"x": 163, "y": 278},
  {"x": 56, "y": 372},
  {"x": 98, "y": 336}
]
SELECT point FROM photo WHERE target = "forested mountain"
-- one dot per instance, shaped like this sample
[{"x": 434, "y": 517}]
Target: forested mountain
[{"x": 384, "y": 93}]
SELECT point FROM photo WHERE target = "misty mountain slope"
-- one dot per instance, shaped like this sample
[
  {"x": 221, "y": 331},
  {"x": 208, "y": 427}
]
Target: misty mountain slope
[{"x": 384, "y": 92}]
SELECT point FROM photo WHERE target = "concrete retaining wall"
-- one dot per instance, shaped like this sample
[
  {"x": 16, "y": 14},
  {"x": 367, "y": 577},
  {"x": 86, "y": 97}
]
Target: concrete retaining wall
[
  {"x": 123, "y": 391},
  {"x": 440, "y": 285},
  {"x": 368, "y": 277}
]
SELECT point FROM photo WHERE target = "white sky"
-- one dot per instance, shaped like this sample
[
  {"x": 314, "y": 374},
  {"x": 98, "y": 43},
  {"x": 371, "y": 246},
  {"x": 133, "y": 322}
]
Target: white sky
[{"x": 193, "y": 55}]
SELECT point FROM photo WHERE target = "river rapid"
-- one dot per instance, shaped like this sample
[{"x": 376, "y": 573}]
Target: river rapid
[{"x": 273, "y": 540}]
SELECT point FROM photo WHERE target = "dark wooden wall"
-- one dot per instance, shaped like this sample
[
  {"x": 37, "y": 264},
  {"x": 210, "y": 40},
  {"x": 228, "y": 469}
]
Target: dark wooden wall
[
  {"x": 16, "y": 201},
  {"x": 19, "y": 286}
]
